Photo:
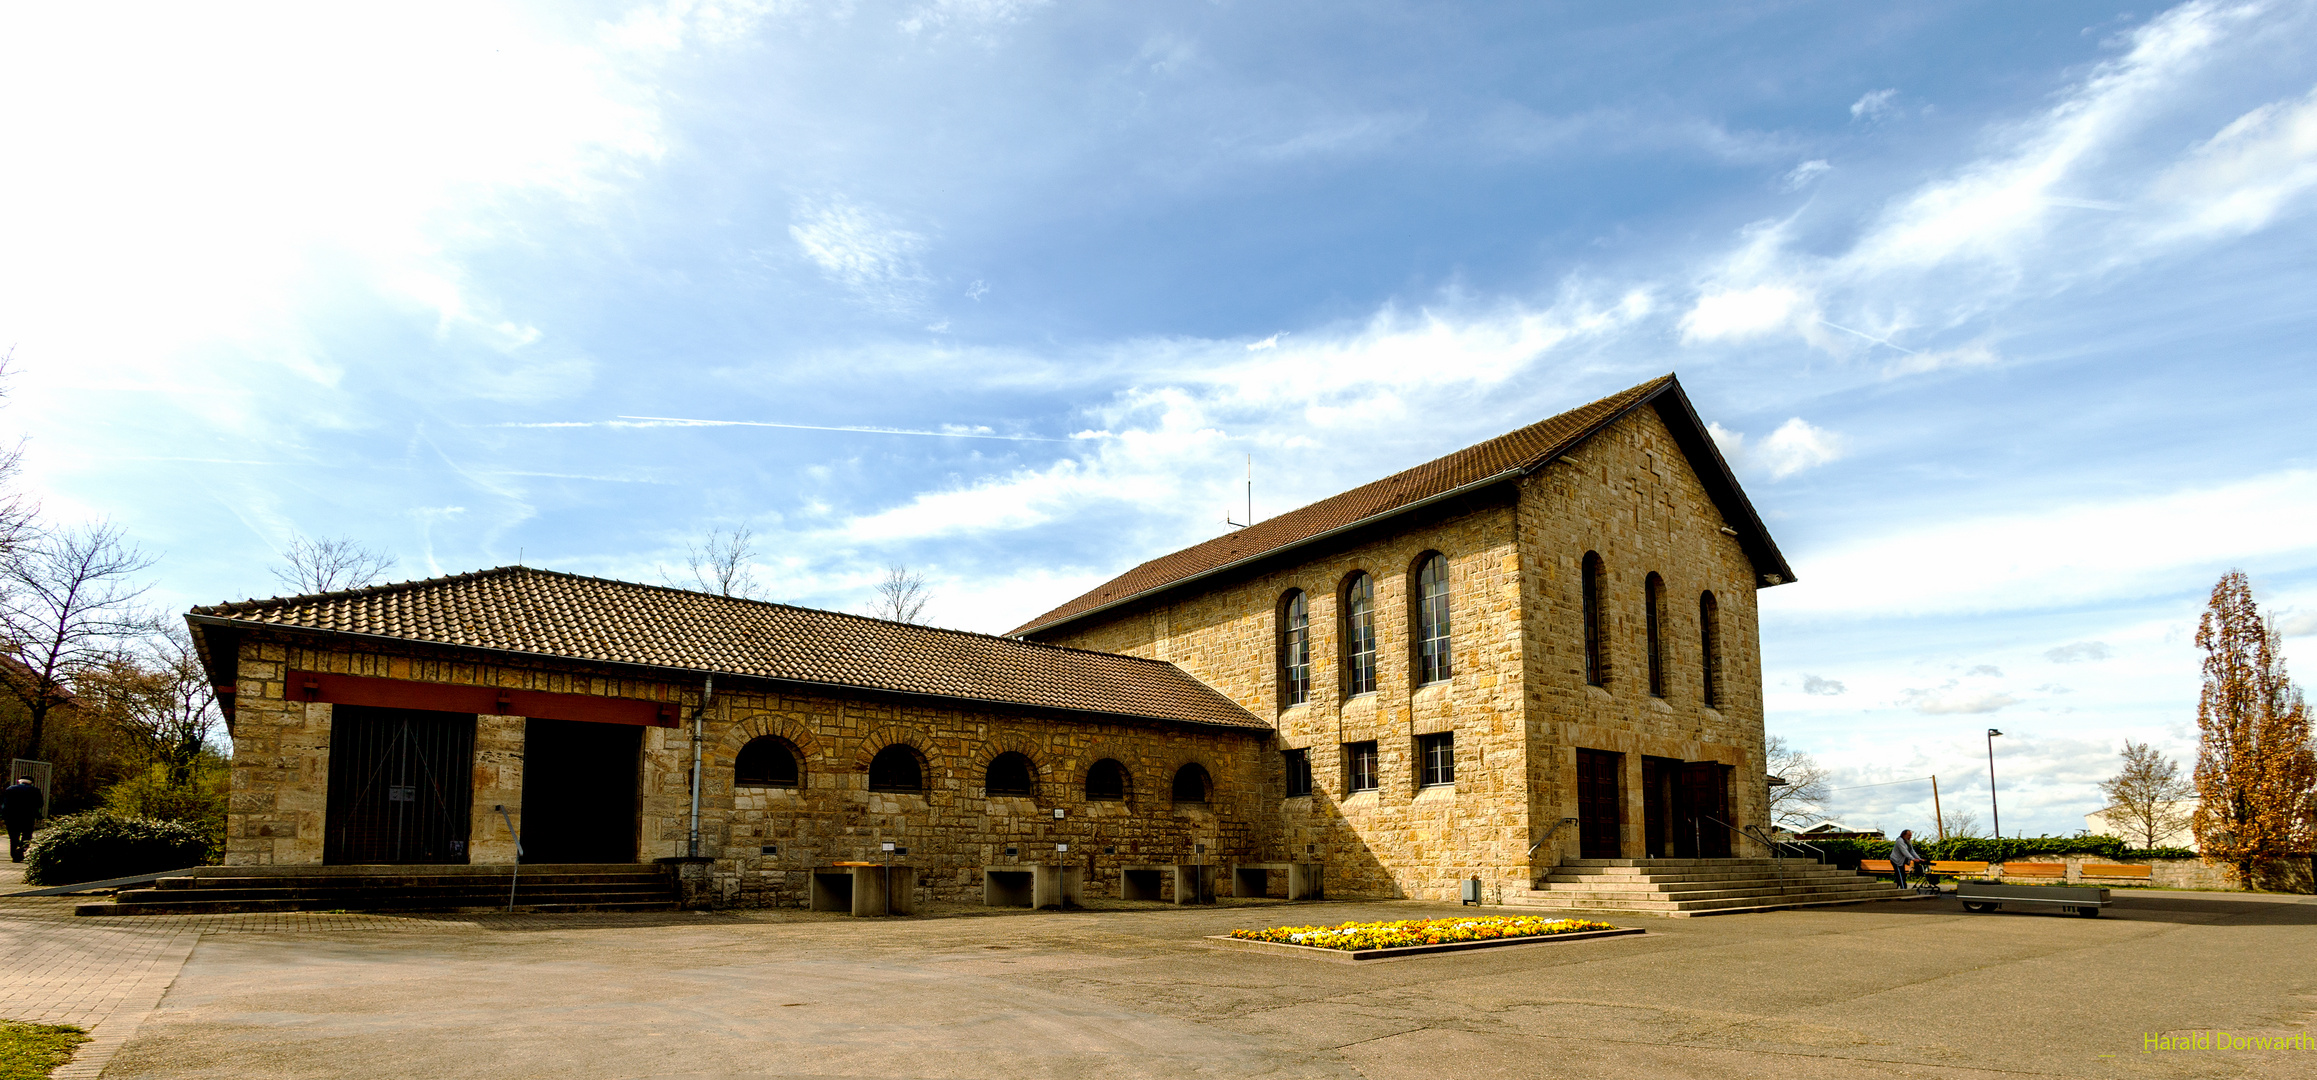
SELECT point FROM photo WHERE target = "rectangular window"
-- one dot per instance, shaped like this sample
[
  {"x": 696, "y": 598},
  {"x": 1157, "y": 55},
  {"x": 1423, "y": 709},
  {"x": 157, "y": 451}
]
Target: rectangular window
[
  {"x": 1298, "y": 772},
  {"x": 1436, "y": 755},
  {"x": 1359, "y": 766},
  {"x": 1432, "y": 621}
]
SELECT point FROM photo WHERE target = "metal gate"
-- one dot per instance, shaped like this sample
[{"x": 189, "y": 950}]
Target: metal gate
[
  {"x": 401, "y": 786},
  {"x": 1600, "y": 804}
]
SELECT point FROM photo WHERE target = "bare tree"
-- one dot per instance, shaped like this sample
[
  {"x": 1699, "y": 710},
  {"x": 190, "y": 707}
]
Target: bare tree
[
  {"x": 2254, "y": 767},
  {"x": 725, "y": 564},
  {"x": 67, "y": 606},
  {"x": 330, "y": 565},
  {"x": 901, "y": 596},
  {"x": 160, "y": 698},
  {"x": 1960, "y": 823},
  {"x": 1800, "y": 800},
  {"x": 18, "y": 514},
  {"x": 2144, "y": 797}
]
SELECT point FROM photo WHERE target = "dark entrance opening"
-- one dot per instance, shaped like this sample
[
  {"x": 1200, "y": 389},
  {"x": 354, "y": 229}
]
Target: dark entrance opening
[
  {"x": 579, "y": 791},
  {"x": 401, "y": 785},
  {"x": 1701, "y": 810},
  {"x": 1600, "y": 804},
  {"x": 1657, "y": 802}
]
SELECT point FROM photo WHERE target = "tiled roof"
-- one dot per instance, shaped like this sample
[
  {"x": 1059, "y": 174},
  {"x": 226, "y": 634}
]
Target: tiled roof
[
  {"x": 542, "y": 613},
  {"x": 1518, "y": 452}
]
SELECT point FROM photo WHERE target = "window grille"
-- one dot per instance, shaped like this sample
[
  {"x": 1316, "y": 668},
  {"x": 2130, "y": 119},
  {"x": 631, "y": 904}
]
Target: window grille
[
  {"x": 766, "y": 762},
  {"x": 1596, "y": 659},
  {"x": 1295, "y": 651},
  {"x": 1653, "y": 595},
  {"x": 1360, "y": 766},
  {"x": 1432, "y": 621},
  {"x": 1436, "y": 755},
  {"x": 1360, "y": 635},
  {"x": 1710, "y": 648}
]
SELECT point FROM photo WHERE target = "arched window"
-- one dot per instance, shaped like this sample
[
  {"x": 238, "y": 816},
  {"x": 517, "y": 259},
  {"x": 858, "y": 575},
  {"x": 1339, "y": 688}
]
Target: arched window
[
  {"x": 1359, "y": 608},
  {"x": 1432, "y": 619},
  {"x": 766, "y": 762},
  {"x": 1596, "y": 652},
  {"x": 1191, "y": 783},
  {"x": 1710, "y": 648},
  {"x": 1106, "y": 781},
  {"x": 896, "y": 768},
  {"x": 1294, "y": 649},
  {"x": 1653, "y": 595},
  {"x": 1010, "y": 774}
]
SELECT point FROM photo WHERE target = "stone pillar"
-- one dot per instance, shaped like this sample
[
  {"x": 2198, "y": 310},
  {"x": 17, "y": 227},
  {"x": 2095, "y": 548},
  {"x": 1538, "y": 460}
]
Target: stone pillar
[{"x": 498, "y": 781}]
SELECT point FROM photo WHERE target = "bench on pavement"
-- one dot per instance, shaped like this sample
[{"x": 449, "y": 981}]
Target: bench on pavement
[
  {"x": 2117, "y": 870},
  {"x": 2035, "y": 870}
]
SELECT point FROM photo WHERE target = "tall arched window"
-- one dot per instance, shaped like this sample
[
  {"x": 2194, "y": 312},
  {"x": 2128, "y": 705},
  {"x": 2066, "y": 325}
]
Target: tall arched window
[
  {"x": 1710, "y": 648},
  {"x": 1106, "y": 781},
  {"x": 1653, "y": 594},
  {"x": 1294, "y": 649},
  {"x": 896, "y": 768},
  {"x": 1010, "y": 774},
  {"x": 766, "y": 762},
  {"x": 1359, "y": 634},
  {"x": 1191, "y": 783},
  {"x": 1432, "y": 620},
  {"x": 1596, "y": 653}
]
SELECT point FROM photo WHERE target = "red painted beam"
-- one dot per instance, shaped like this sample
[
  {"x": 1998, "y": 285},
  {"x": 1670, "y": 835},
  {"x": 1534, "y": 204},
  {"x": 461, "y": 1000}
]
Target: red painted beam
[{"x": 486, "y": 700}]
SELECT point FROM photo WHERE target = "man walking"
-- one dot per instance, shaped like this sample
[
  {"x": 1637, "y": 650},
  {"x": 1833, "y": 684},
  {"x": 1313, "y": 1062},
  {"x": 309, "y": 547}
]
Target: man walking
[
  {"x": 21, "y": 804},
  {"x": 1904, "y": 856}
]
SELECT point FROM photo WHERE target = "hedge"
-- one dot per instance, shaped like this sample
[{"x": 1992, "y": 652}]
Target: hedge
[
  {"x": 98, "y": 845},
  {"x": 1848, "y": 853}
]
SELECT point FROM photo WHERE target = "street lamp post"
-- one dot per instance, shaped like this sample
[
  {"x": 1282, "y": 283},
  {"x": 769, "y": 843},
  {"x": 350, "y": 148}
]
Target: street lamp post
[{"x": 1993, "y": 806}]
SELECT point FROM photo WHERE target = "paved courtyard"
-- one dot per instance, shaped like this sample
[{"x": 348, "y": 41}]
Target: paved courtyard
[{"x": 1908, "y": 989}]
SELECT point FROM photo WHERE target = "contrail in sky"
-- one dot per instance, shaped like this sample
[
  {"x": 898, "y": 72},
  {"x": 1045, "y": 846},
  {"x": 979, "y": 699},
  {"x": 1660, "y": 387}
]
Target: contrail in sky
[{"x": 679, "y": 421}]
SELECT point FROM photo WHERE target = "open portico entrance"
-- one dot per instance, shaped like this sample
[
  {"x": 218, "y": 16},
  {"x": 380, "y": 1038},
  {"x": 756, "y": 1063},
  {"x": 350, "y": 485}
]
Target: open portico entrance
[
  {"x": 1685, "y": 804},
  {"x": 579, "y": 791}
]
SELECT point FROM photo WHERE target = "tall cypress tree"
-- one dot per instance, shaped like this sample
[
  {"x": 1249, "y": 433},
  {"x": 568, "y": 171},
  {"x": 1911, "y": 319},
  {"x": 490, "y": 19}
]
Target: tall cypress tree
[{"x": 2255, "y": 774}]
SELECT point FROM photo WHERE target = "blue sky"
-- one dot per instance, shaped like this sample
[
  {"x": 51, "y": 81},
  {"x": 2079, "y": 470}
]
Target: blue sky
[{"x": 2004, "y": 312}]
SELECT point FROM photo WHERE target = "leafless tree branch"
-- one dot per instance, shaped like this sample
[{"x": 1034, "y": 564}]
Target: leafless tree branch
[
  {"x": 67, "y": 605},
  {"x": 725, "y": 564},
  {"x": 902, "y": 596},
  {"x": 329, "y": 565}
]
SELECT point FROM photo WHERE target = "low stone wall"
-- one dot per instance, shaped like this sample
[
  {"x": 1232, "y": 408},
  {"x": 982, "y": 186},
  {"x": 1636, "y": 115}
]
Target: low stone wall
[{"x": 2283, "y": 875}]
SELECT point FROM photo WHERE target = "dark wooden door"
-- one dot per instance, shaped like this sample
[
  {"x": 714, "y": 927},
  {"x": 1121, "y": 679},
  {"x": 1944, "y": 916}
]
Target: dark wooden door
[
  {"x": 1704, "y": 797},
  {"x": 1600, "y": 804},
  {"x": 1657, "y": 783},
  {"x": 401, "y": 786},
  {"x": 579, "y": 791}
]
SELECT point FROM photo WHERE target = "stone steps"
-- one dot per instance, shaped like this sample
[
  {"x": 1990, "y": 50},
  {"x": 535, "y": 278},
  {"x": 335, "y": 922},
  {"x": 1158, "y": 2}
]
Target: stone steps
[
  {"x": 1685, "y": 887},
  {"x": 619, "y": 887}
]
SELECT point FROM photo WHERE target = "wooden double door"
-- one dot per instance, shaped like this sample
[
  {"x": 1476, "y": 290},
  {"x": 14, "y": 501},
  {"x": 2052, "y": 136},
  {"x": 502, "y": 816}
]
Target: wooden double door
[{"x": 1686, "y": 808}]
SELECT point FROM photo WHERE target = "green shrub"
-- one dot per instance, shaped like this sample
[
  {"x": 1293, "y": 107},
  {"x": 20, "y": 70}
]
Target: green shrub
[
  {"x": 198, "y": 802},
  {"x": 99, "y": 844},
  {"x": 1848, "y": 853}
]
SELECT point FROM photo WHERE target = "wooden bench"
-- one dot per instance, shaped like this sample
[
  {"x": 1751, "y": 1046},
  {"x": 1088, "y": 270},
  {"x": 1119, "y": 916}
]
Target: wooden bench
[
  {"x": 2035, "y": 870},
  {"x": 1957, "y": 867},
  {"x": 2113, "y": 870},
  {"x": 1877, "y": 866}
]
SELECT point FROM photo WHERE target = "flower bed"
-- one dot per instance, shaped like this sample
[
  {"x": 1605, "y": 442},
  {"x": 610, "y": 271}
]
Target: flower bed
[{"x": 1359, "y": 936}]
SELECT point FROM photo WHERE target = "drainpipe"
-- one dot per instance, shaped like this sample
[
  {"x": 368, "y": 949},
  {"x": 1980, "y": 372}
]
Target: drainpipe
[{"x": 699, "y": 718}]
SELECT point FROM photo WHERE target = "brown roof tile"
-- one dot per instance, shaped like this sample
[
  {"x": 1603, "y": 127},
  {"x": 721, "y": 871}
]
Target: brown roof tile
[
  {"x": 1517, "y": 452},
  {"x": 543, "y": 613}
]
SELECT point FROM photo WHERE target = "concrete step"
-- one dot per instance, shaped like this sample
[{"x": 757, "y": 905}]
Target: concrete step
[
  {"x": 1676, "y": 878},
  {"x": 1761, "y": 892},
  {"x": 350, "y": 881},
  {"x": 1730, "y": 905}
]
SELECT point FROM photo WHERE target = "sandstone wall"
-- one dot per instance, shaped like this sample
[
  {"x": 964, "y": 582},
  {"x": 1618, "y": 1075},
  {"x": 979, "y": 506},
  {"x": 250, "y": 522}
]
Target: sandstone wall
[
  {"x": 1630, "y": 496},
  {"x": 281, "y": 772}
]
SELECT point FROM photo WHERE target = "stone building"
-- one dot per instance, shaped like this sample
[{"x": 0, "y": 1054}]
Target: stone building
[{"x": 1538, "y": 648}]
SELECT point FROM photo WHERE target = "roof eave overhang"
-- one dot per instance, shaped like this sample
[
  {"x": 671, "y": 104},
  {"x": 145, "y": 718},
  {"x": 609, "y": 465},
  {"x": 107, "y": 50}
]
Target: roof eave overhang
[
  {"x": 1271, "y": 553},
  {"x": 669, "y": 673},
  {"x": 1706, "y": 459}
]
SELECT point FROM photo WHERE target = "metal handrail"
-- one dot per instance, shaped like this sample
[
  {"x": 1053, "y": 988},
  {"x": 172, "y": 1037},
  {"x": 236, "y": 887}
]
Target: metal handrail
[
  {"x": 516, "y": 873},
  {"x": 1557, "y": 827}
]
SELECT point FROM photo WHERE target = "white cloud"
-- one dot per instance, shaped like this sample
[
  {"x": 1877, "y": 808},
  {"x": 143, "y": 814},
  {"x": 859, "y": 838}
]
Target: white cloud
[
  {"x": 2243, "y": 178},
  {"x": 1795, "y": 446},
  {"x": 975, "y": 14},
  {"x": 2079, "y": 652},
  {"x": 2294, "y": 622},
  {"x": 1812, "y": 684},
  {"x": 866, "y": 252},
  {"x": 2070, "y": 554},
  {"x": 1950, "y": 701},
  {"x": 1801, "y": 175},
  {"x": 1872, "y": 105},
  {"x": 1741, "y": 313}
]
